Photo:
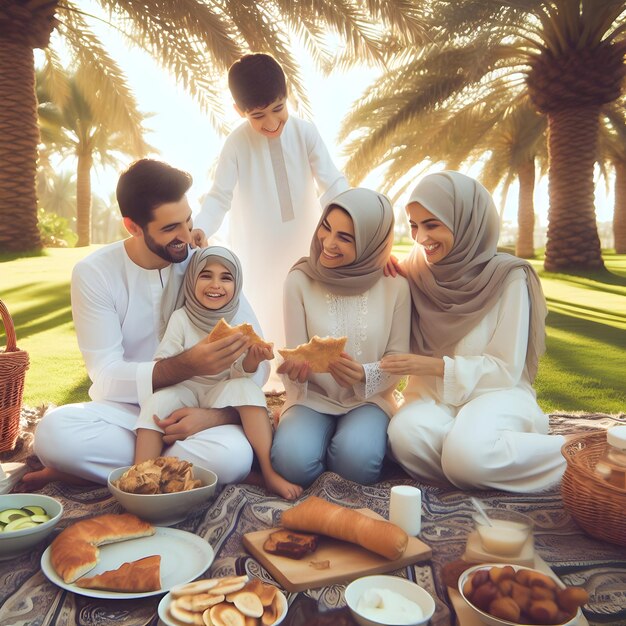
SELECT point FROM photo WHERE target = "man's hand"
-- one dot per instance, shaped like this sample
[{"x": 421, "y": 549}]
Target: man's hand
[
  {"x": 256, "y": 354},
  {"x": 393, "y": 267},
  {"x": 188, "y": 421},
  {"x": 346, "y": 371},
  {"x": 297, "y": 372},
  {"x": 198, "y": 238}
]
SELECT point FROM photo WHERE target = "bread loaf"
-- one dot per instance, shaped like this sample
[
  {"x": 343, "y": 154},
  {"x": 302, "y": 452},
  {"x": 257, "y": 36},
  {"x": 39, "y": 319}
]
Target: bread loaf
[
  {"x": 316, "y": 515},
  {"x": 134, "y": 577},
  {"x": 75, "y": 550}
]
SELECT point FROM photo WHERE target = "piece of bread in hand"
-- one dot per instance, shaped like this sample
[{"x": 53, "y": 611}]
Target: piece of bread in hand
[
  {"x": 318, "y": 353},
  {"x": 290, "y": 544},
  {"x": 134, "y": 577},
  {"x": 224, "y": 329},
  {"x": 315, "y": 515}
]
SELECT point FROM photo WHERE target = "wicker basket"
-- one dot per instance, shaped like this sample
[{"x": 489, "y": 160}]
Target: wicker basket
[
  {"x": 597, "y": 506},
  {"x": 13, "y": 366}
]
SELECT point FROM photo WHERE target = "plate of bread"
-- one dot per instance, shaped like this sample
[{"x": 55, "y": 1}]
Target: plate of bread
[{"x": 123, "y": 557}]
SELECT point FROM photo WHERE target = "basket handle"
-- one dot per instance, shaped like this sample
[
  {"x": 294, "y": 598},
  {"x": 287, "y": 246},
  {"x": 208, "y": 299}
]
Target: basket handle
[{"x": 9, "y": 328}]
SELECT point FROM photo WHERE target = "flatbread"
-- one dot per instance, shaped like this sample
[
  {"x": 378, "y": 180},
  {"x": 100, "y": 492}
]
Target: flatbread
[
  {"x": 224, "y": 329},
  {"x": 318, "y": 353}
]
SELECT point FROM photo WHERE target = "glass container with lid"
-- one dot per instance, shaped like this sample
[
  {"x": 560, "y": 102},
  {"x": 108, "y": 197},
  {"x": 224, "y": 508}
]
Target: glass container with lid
[{"x": 611, "y": 465}]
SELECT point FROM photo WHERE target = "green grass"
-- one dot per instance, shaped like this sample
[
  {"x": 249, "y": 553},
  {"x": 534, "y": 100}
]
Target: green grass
[{"x": 583, "y": 370}]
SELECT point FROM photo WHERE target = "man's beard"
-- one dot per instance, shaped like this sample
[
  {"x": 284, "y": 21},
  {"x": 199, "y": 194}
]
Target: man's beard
[{"x": 165, "y": 252}]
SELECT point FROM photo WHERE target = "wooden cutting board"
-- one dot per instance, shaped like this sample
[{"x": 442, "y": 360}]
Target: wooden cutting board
[{"x": 347, "y": 561}]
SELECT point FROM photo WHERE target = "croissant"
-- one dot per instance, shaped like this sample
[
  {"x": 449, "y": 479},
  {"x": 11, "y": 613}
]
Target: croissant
[
  {"x": 316, "y": 515},
  {"x": 133, "y": 577}
]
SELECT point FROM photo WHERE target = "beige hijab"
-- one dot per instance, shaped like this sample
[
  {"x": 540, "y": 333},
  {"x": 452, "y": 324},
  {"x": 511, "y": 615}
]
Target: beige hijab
[
  {"x": 372, "y": 216},
  {"x": 452, "y": 296}
]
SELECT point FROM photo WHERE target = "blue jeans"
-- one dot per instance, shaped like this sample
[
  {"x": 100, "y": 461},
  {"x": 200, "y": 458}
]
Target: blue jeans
[{"x": 353, "y": 445}]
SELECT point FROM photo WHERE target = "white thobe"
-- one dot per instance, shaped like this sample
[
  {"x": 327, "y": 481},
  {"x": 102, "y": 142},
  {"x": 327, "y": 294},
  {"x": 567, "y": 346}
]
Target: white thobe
[
  {"x": 273, "y": 210},
  {"x": 480, "y": 425},
  {"x": 115, "y": 307}
]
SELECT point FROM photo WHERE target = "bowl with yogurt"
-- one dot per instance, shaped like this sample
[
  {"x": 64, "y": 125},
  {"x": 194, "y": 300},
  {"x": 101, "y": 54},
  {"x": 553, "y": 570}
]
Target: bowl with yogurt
[
  {"x": 505, "y": 533},
  {"x": 388, "y": 600}
]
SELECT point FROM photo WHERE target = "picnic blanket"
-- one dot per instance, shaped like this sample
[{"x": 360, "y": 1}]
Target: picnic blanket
[{"x": 27, "y": 598}]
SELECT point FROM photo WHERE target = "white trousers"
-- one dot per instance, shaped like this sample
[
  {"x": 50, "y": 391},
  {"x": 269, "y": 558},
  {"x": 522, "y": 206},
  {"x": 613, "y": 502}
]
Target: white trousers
[
  {"x": 498, "y": 440},
  {"x": 91, "y": 439}
]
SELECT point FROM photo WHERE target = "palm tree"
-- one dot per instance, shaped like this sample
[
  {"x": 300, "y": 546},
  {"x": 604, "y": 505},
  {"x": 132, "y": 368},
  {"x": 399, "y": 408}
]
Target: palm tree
[
  {"x": 197, "y": 40},
  {"x": 568, "y": 55},
  {"x": 71, "y": 124}
]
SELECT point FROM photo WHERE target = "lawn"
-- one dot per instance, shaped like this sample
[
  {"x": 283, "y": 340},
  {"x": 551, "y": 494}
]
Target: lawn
[{"x": 583, "y": 370}]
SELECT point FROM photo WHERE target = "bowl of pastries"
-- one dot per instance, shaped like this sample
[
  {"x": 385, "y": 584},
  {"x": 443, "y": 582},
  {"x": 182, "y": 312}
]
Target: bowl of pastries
[
  {"x": 225, "y": 601},
  {"x": 385, "y": 600},
  {"x": 513, "y": 595},
  {"x": 26, "y": 519},
  {"x": 164, "y": 490}
]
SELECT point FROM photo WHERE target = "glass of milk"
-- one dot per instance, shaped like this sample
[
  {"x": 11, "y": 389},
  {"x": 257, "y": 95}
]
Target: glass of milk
[{"x": 508, "y": 533}]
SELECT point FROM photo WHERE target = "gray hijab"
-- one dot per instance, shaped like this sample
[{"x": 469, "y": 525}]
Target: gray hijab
[
  {"x": 175, "y": 297},
  {"x": 452, "y": 296},
  {"x": 372, "y": 216}
]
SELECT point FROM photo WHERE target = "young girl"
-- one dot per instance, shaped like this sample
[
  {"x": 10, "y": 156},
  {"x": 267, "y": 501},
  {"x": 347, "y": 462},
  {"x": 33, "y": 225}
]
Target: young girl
[
  {"x": 210, "y": 291},
  {"x": 338, "y": 420},
  {"x": 471, "y": 416}
]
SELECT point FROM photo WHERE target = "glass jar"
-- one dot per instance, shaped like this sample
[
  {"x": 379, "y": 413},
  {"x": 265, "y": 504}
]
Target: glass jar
[{"x": 611, "y": 465}]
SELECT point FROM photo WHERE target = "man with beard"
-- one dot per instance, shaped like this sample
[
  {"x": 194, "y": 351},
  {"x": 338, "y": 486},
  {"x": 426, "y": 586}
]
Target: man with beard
[{"x": 116, "y": 303}]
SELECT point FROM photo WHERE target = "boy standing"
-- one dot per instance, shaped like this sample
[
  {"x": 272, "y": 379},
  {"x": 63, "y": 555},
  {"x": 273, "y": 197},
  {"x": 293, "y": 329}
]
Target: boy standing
[{"x": 270, "y": 174}]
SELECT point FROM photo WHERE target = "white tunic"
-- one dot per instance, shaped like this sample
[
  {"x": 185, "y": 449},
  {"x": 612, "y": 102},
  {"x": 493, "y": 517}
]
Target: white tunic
[
  {"x": 376, "y": 323},
  {"x": 480, "y": 425},
  {"x": 273, "y": 210}
]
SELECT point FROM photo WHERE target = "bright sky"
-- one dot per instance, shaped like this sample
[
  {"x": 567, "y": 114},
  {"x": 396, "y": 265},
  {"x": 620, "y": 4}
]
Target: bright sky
[{"x": 187, "y": 140}]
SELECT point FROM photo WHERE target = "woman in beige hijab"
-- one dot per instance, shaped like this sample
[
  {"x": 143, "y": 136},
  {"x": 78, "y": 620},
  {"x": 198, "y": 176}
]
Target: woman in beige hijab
[
  {"x": 337, "y": 420},
  {"x": 470, "y": 415}
]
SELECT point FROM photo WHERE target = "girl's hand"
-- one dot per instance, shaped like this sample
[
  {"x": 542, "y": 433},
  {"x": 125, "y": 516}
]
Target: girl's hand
[
  {"x": 256, "y": 354},
  {"x": 346, "y": 371},
  {"x": 297, "y": 372},
  {"x": 198, "y": 238}
]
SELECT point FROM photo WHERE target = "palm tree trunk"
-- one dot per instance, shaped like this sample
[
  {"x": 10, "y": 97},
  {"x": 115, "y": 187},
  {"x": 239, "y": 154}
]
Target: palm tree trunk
[
  {"x": 19, "y": 136},
  {"x": 619, "y": 210},
  {"x": 525, "y": 246},
  {"x": 83, "y": 199},
  {"x": 573, "y": 241}
]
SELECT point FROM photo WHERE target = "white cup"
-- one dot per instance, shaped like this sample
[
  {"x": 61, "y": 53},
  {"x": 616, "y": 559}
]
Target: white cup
[{"x": 405, "y": 508}]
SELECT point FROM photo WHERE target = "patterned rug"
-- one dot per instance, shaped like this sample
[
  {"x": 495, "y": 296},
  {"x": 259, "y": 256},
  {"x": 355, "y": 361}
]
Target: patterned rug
[{"x": 27, "y": 598}]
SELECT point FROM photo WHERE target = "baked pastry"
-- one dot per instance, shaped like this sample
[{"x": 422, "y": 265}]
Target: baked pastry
[
  {"x": 165, "y": 474},
  {"x": 318, "y": 353},
  {"x": 224, "y": 329},
  {"x": 290, "y": 544},
  {"x": 74, "y": 551},
  {"x": 316, "y": 515},
  {"x": 133, "y": 577}
]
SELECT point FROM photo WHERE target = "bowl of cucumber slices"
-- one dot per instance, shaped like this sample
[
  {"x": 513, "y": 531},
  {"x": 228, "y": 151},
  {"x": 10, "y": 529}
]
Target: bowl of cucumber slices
[{"x": 26, "y": 519}]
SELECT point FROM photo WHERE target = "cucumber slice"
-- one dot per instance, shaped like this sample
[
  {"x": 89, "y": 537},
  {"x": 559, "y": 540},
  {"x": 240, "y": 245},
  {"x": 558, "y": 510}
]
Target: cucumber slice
[
  {"x": 32, "y": 509},
  {"x": 7, "y": 515},
  {"x": 39, "y": 519},
  {"x": 19, "y": 524}
]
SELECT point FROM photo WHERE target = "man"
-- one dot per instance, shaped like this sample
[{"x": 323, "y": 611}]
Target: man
[{"x": 116, "y": 302}]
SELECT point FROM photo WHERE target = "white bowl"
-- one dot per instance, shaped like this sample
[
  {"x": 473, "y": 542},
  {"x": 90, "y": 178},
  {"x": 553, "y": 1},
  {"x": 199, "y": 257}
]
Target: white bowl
[
  {"x": 490, "y": 620},
  {"x": 402, "y": 586},
  {"x": 168, "y": 621},
  {"x": 165, "y": 509},
  {"x": 15, "y": 542},
  {"x": 507, "y": 534}
]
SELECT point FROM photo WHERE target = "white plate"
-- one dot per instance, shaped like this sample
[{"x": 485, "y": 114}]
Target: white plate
[
  {"x": 184, "y": 556},
  {"x": 167, "y": 620}
]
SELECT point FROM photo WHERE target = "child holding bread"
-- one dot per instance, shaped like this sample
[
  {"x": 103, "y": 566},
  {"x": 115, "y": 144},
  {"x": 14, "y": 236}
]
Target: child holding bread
[
  {"x": 337, "y": 420},
  {"x": 210, "y": 293}
]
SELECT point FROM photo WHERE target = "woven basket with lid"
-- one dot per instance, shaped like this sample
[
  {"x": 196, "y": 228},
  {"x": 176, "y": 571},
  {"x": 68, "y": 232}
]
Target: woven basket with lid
[
  {"x": 13, "y": 366},
  {"x": 596, "y": 505}
]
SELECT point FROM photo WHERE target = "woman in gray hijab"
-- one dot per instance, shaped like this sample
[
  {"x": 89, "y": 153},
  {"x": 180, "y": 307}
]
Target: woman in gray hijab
[
  {"x": 477, "y": 332},
  {"x": 337, "y": 419}
]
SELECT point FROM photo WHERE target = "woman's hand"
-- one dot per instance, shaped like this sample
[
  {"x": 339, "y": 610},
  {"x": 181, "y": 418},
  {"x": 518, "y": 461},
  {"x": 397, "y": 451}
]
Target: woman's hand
[
  {"x": 346, "y": 371},
  {"x": 188, "y": 421},
  {"x": 295, "y": 370},
  {"x": 256, "y": 354},
  {"x": 412, "y": 365},
  {"x": 393, "y": 267}
]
